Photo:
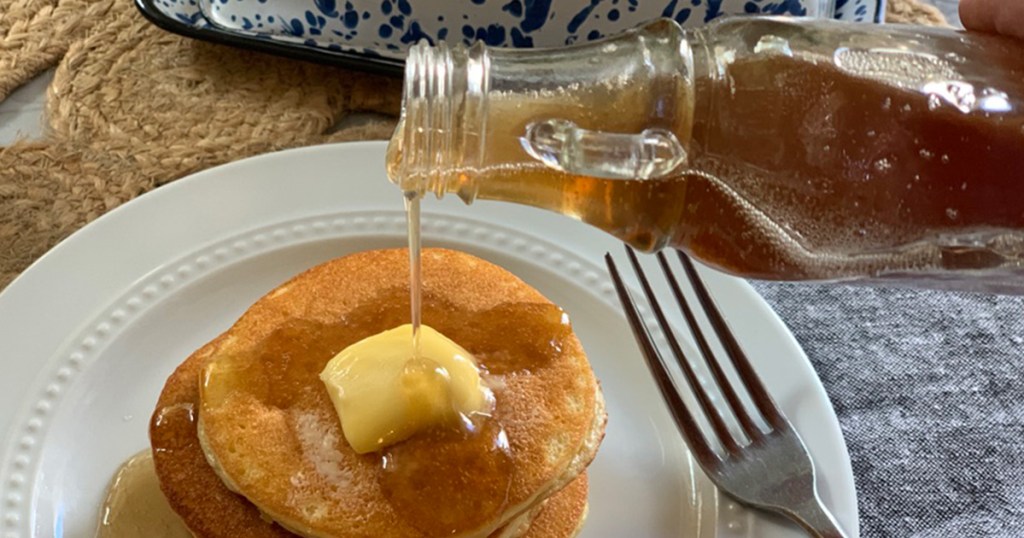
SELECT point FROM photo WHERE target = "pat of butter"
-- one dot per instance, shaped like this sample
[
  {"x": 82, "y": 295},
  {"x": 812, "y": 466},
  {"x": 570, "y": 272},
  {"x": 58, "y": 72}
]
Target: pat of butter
[{"x": 384, "y": 394}]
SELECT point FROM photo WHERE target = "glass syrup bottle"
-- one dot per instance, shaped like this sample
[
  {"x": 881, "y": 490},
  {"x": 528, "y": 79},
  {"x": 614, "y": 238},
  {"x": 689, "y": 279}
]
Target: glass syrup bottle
[{"x": 768, "y": 148}]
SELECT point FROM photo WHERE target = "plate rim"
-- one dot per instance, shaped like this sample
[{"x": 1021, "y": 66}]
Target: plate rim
[{"x": 225, "y": 173}]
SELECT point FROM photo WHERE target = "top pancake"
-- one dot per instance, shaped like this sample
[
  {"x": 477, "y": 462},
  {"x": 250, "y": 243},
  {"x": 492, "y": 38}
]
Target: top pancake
[
  {"x": 210, "y": 510},
  {"x": 271, "y": 433}
]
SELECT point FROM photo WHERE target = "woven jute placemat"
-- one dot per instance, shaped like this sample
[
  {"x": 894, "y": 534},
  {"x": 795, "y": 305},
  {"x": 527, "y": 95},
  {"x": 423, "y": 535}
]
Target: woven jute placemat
[{"x": 132, "y": 107}]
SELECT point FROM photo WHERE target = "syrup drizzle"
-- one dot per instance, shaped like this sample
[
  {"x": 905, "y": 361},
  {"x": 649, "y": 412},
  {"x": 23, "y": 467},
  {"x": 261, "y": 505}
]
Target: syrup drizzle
[
  {"x": 469, "y": 468},
  {"x": 412, "y": 214}
]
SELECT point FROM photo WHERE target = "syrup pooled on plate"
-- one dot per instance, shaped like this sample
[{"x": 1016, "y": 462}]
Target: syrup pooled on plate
[{"x": 135, "y": 506}]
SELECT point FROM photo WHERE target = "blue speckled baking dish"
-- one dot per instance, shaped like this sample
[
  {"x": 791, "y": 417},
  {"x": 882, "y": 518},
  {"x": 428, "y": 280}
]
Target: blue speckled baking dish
[{"x": 375, "y": 34}]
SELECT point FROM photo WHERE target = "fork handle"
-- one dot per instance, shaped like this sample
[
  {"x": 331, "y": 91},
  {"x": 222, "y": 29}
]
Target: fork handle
[{"x": 817, "y": 520}]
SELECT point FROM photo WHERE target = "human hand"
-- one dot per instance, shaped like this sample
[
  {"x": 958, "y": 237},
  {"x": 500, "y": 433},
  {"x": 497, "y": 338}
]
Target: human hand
[{"x": 995, "y": 16}]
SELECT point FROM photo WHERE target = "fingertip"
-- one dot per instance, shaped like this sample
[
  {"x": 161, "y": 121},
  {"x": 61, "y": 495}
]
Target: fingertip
[
  {"x": 976, "y": 15},
  {"x": 1005, "y": 17}
]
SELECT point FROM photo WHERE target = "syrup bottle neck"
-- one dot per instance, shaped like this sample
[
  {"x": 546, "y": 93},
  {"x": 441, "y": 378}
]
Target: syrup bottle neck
[{"x": 617, "y": 109}]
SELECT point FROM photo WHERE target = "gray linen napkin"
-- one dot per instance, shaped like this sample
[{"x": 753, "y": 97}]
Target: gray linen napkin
[{"x": 929, "y": 390}]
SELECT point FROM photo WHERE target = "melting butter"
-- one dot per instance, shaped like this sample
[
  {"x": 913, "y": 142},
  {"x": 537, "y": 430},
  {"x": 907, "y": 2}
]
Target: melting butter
[
  {"x": 135, "y": 506},
  {"x": 384, "y": 392}
]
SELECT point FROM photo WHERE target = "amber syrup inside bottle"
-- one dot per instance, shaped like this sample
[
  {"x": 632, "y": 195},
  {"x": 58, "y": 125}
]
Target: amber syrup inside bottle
[{"x": 767, "y": 148}]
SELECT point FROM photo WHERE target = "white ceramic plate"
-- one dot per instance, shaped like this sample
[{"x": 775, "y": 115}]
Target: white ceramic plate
[{"x": 91, "y": 331}]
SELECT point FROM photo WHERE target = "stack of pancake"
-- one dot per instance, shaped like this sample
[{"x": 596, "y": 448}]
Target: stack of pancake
[{"x": 246, "y": 441}]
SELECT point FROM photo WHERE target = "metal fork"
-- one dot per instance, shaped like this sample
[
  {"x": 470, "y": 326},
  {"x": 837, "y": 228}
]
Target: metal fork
[{"x": 772, "y": 470}]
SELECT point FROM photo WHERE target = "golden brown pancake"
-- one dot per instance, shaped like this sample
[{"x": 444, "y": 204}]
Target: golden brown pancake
[
  {"x": 271, "y": 433},
  {"x": 210, "y": 510}
]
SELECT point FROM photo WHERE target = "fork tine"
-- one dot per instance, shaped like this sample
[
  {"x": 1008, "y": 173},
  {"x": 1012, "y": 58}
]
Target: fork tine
[
  {"x": 684, "y": 420},
  {"x": 712, "y": 414},
  {"x": 733, "y": 400},
  {"x": 774, "y": 472},
  {"x": 762, "y": 400}
]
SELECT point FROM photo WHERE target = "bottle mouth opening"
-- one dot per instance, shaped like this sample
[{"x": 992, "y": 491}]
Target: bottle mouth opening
[
  {"x": 425, "y": 75},
  {"x": 441, "y": 118}
]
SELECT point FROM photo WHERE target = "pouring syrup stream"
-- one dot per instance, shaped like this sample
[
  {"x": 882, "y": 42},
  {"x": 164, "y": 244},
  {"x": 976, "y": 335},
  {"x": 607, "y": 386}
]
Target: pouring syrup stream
[{"x": 412, "y": 215}]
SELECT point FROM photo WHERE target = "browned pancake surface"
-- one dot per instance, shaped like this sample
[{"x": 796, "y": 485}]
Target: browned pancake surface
[
  {"x": 210, "y": 510},
  {"x": 272, "y": 434}
]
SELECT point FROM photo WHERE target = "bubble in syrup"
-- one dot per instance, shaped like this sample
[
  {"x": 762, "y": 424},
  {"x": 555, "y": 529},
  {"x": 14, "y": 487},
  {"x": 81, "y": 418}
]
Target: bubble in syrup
[
  {"x": 953, "y": 214},
  {"x": 925, "y": 154},
  {"x": 954, "y": 57},
  {"x": 944, "y": 159}
]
